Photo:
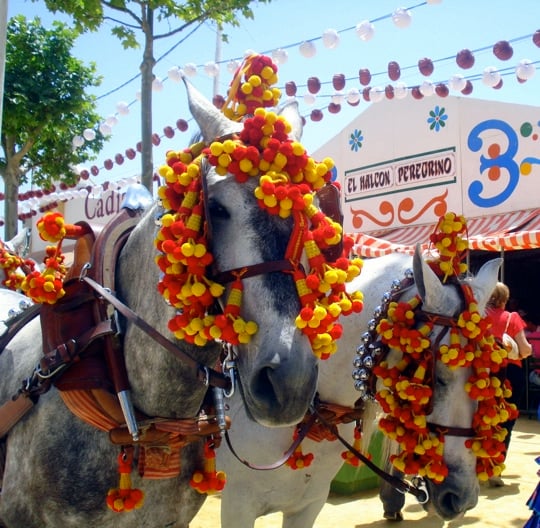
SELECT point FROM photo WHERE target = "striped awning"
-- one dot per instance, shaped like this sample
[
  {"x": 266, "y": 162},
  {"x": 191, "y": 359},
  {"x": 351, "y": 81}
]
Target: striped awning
[{"x": 509, "y": 231}]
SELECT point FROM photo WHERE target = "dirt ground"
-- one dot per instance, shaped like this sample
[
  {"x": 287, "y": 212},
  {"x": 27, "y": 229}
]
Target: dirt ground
[{"x": 497, "y": 507}]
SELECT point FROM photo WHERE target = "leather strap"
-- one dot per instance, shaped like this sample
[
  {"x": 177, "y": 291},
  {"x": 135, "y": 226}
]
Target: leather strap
[
  {"x": 12, "y": 411},
  {"x": 224, "y": 277},
  {"x": 204, "y": 374}
]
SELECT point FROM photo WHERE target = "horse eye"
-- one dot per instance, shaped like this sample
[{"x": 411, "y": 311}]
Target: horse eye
[
  {"x": 217, "y": 210},
  {"x": 439, "y": 380}
]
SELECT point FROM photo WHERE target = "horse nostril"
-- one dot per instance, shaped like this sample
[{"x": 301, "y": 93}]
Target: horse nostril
[{"x": 451, "y": 505}]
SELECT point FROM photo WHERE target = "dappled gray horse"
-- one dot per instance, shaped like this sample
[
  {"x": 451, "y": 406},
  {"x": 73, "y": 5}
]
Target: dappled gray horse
[{"x": 58, "y": 469}]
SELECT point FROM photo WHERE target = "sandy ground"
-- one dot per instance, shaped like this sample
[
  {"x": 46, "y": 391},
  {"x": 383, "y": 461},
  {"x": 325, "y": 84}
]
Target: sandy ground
[{"x": 497, "y": 507}]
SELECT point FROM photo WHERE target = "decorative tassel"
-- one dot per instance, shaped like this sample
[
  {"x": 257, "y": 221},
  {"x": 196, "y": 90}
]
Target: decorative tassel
[
  {"x": 349, "y": 457},
  {"x": 125, "y": 498},
  {"x": 208, "y": 480}
]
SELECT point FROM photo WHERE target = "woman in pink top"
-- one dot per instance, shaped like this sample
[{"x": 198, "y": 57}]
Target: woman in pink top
[{"x": 511, "y": 323}]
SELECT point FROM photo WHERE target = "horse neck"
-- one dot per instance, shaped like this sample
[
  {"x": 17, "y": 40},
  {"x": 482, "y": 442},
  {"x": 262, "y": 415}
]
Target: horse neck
[{"x": 159, "y": 380}]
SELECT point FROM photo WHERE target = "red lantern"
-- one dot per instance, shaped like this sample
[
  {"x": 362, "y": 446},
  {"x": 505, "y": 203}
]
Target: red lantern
[
  {"x": 416, "y": 93},
  {"x": 316, "y": 115},
  {"x": 365, "y": 76},
  {"x": 334, "y": 108},
  {"x": 499, "y": 85},
  {"x": 394, "y": 71},
  {"x": 218, "y": 101},
  {"x": 314, "y": 85},
  {"x": 290, "y": 88},
  {"x": 119, "y": 159},
  {"x": 338, "y": 81},
  {"x": 468, "y": 88},
  {"x": 138, "y": 146},
  {"x": 169, "y": 132},
  {"x": 389, "y": 91},
  {"x": 465, "y": 59},
  {"x": 94, "y": 170},
  {"x": 108, "y": 164},
  {"x": 130, "y": 153},
  {"x": 442, "y": 90},
  {"x": 84, "y": 175},
  {"x": 425, "y": 66},
  {"x": 536, "y": 38},
  {"x": 365, "y": 94},
  {"x": 156, "y": 140},
  {"x": 503, "y": 50},
  {"x": 182, "y": 125}
]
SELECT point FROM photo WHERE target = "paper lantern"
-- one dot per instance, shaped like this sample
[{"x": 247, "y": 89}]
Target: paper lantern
[
  {"x": 491, "y": 76},
  {"x": 218, "y": 101},
  {"x": 366, "y": 94},
  {"x": 308, "y": 49},
  {"x": 138, "y": 146},
  {"x": 364, "y": 76},
  {"x": 316, "y": 115},
  {"x": 169, "y": 131},
  {"x": 365, "y": 30},
  {"x": 338, "y": 81},
  {"x": 442, "y": 90},
  {"x": 157, "y": 85},
  {"x": 111, "y": 120},
  {"x": 389, "y": 91},
  {"x": 84, "y": 175},
  {"x": 503, "y": 50},
  {"x": 156, "y": 140},
  {"x": 174, "y": 74},
  {"x": 105, "y": 129},
  {"x": 353, "y": 97},
  {"x": 313, "y": 85},
  {"x": 499, "y": 85},
  {"x": 211, "y": 69},
  {"x": 427, "y": 89},
  {"x": 394, "y": 71},
  {"x": 416, "y": 93},
  {"x": 280, "y": 56},
  {"x": 468, "y": 88},
  {"x": 425, "y": 66},
  {"x": 457, "y": 82},
  {"x": 310, "y": 99},
  {"x": 108, "y": 164},
  {"x": 232, "y": 66},
  {"x": 334, "y": 108},
  {"x": 77, "y": 141},
  {"x": 119, "y": 159},
  {"x": 290, "y": 88},
  {"x": 138, "y": 95},
  {"x": 376, "y": 94},
  {"x": 122, "y": 108},
  {"x": 190, "y": 69},
  {"x": 89, "y": 134},
  {"x": 525, "y": 69},
  {"x": 182, "y": 125},
  {"x": 536, "y": 38},
  {"x": 330, "y": 38},
  {"x": 337, "y": 98},
  {"x": 400, "y": 90},
  {"x": 465, "y": 59},
  {"x": 130, "y": 153},
  {"x": 402, "y": 18}
]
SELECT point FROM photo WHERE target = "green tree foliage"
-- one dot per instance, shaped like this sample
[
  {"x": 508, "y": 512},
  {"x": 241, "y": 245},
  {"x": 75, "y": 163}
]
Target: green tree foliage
[
  {"x": 45, "y": 105},
  {"x": 130, "y": 17}
]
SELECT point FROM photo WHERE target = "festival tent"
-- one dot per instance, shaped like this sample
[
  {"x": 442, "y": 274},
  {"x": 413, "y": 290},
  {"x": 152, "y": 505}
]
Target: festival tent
[{"x": 402, "y": 163}]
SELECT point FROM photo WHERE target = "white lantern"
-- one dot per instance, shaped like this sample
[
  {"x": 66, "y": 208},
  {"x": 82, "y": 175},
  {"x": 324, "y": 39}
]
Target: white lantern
[
  {"x": 525, "y": 69},
  {"x": 105, "y": 129},
  {"x": 308, "y": 49},
  {"x": 427, "y": 89},
  {"x": 190, "y": 69},
  {"x": 309, "y": 99},
  {"x": 365, "y": 30},
  {"x": 111, "y": 120},
  {"x": 122, "y": 108},
  {"x": 353, "y": 96},
  {"x": 211, "y": 69},
  {"x": 138, "y": 95},
  {"x": 457, "y": 82},
  {"x": 280, "y": 56},
  {"x": 232, "y": 66},
  {"x": 491, "y": 76},
  {"x": 330, "y": 39},
  {"x": 376, "y": 94},
  {"x": 157, "y": 85},
  {"x": 89, "y": 134},
  {"x": 402, "y": 18},
  {"x": 400, "y": 90},
  {"x": 337, "y": 98},
  {"x": 174, "y": 74},
  {"x": 77, "y": 141}
]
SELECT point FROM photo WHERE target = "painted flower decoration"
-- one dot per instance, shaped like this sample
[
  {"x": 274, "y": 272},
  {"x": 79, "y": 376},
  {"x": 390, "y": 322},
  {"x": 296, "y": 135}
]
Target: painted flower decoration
[
  {"x": 437, "y": 118},
  {"x": 355, "y": 140}
]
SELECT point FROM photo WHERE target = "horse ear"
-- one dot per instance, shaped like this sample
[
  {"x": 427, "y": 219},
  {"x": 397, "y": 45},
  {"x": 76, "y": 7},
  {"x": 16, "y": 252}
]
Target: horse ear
[
  {"x": 428, "y": 284},
  {"x": 485, "y": 282},
  {"x": 290, "y": 112},
  {"x": 211, "y": 121}
]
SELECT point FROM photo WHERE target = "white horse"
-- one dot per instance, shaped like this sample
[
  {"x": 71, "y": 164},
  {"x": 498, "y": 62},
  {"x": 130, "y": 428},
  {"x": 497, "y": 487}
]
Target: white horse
[
  {"x": 56, "y": 470},
  {"x": 300, "y": 494}
]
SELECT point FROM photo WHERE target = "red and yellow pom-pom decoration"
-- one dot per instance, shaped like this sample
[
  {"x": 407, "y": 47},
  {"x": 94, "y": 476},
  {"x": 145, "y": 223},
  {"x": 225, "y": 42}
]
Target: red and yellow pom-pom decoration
[
  {"x": 208, "y": 480},
  {"x": 15, "y": 267},
  {"x": 287, "y": 181},
  {"x": 406, "y": 394},
  {"x": 125, "y": 498},
  {"x": 252, "y": 87},
  {"x": 350, "y": 458}
]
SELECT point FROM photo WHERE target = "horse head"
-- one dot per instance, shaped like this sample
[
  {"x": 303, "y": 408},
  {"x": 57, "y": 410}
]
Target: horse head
[{"x": 277, "y": 369}]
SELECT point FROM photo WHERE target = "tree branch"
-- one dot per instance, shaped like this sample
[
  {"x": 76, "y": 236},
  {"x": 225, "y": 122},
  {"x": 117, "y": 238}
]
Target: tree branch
[{"x": 124, "y": 10}]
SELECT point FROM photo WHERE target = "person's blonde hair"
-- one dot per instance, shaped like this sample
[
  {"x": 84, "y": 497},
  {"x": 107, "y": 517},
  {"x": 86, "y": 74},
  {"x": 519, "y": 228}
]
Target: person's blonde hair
[{"x": 500, "y": 296}]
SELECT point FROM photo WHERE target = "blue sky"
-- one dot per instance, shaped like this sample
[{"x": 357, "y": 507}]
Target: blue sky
[{"x": 438, "y": 31}]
